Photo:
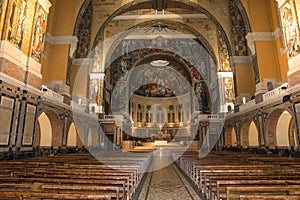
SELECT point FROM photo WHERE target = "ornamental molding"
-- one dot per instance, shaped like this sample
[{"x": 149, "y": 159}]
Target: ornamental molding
[
  {"x": 261, "y": 36},
  {"x": 71, "y": 40}
]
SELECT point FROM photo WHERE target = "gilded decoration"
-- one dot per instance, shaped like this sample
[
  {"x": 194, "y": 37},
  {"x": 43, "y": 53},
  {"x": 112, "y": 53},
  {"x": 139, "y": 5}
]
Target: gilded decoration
[
  {"x": 84, "y": 33},
  {"x": 228, "y": 89},
  {"x": 223, "y": 53},
  {"x": 130, "y": 52},
  {"x": 289, "y": 13},
  {"x": 39, "y": 34},
  {"x": 238, "y": 29},
  {"x": 16, "y": 24},
  {"x": 3, "y": 5}
]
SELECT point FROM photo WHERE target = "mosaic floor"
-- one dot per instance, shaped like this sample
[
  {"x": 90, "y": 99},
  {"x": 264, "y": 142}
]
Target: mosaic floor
[{"x": 166, "y": 183}]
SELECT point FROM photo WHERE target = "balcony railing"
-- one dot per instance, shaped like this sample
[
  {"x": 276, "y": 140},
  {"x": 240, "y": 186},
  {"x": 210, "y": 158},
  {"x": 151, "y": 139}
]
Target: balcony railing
[
  {"x": 273, "y": 93},
  {"x": 247, "y": 105},
  {"x": 52, "y": 95}
]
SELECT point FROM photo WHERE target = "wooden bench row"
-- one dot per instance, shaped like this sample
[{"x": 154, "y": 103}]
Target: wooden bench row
[
  {"x": 74, "y": 176},
  {"x": 232, "y": 176}
]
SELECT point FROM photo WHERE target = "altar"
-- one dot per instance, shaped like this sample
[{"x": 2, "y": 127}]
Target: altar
[{"x": 160, "y": 142}]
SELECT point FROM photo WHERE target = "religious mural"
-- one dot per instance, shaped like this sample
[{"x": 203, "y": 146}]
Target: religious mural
[
  {"x": 17, "y": 17},
  {"x": 39, "y": 34},
  {"x": 84, "y": 33},
  {"x": 228, "y": 89},
  {"x": 2, "y": 15},
  {"x": 158, "y": 81},
  {"x": 118, "y": 101},
  {"x": 97, "y": 65},
  {"x": 238, "y": 29},
  {"x": 95, "y": 89},
  {"x": 154, "y": 82},
  {"x": 202, "y": 98},
  {"x": 129, "y": 52},
  {"x": 223, "y": 53},
  {"x": 289, "y": 11}
]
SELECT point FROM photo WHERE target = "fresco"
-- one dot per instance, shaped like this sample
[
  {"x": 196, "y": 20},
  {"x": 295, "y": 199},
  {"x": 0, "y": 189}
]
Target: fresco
[
  {"x": 39, "y": 34},
  {"x": 17, "y": 17},
  {"x": 2, "y": 15},
  {"x": 84, "y": 33},
  {"x": 223, "y": 53},
  {"x": 161, "y": 81},
  {"x": 289, "y": 11},
  {"x": 129, "y": 52},
  {"x": 158, "y": 81},
  {"x": 228, "y": 89},
  {"x": 238, "y": 29},
  {"x": 95, "y": 88}
]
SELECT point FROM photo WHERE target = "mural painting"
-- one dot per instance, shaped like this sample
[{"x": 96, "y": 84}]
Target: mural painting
[
  {"x": 95, "y": 88},
  {"x": 223, "y": 53},
  {"x": 84, "y": 33},
  {"x": 228, "y": 89},
  {"x": 158, "y": 81},
  {"x": 290, "y": 26},
  {"x": 238, "y": 29},
  {"x": 39, "y": 34},
  {"x": 2, "y": 15},
  {"x": 154, "y": 82},
  {"x": 16, "y": 22}
]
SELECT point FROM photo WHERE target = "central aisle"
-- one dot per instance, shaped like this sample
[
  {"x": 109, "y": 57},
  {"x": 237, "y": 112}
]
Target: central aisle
[{"x": 166, "y": 183}]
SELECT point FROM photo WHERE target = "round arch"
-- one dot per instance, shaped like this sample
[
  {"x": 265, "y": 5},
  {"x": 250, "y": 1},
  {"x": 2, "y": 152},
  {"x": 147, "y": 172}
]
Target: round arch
[
  {"x": 45, "y": 131},
  {"x": 173, "y": 25},
  {"x": 49, "y": 129},
  {"x": 136, "y": 3},
  {"x": 230, "y": 136},
  {"x": 249, "y": 134},
  {"x": 92, "y": 137},
  {"x": 278, "y": 128},
  {"x": 72, "y": 136}
]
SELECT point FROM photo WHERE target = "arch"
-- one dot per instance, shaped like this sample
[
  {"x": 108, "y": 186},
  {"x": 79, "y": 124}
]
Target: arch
[
  {"x": 82, "y": 29},
  {"x": 45, "y": 136},
  {"x": 282, "y": 129},
  {"x": 136, "y": 3},
  {"x": 89, "y": 141},
  {"x": 253, "y": 135},
  {"x": 249, "y": 134},
  {"x": 72, "y": 136},
  {"x": 55, "y": 130},
  {"x": 92, "y": 138},
  {"x": 230, "y": 136},
  {"x": 278, "y": 127},
  {"x": 174, "y": 25},
  {"x": 245, "y": 133}
]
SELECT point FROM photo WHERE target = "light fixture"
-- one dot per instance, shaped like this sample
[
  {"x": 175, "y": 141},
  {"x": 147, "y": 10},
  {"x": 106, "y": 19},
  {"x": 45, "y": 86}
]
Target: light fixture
[{"x": 160, "y": 63}]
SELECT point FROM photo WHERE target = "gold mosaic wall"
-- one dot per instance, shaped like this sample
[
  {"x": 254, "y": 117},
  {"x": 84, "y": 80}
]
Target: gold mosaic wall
[
  {"x": 23, "y": 24},
  {"x": 3, "y": 5}
]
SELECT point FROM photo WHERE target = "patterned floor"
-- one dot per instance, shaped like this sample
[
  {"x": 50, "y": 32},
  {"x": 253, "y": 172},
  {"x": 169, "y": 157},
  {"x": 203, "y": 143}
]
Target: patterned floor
[{"x": 166, "y": 183}]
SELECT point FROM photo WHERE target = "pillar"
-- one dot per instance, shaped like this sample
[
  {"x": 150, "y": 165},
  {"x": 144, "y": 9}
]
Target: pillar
[{"x": 265, "y": 42}]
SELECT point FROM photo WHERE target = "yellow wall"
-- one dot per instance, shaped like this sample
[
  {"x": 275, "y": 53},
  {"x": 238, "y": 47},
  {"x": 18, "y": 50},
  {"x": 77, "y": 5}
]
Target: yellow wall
[
  {"x": 245, "y": 78},
  {"x": 61, "y": 22},
  {"x": 55, "y": 67},
  {"x": 79, "y": 80},
  {"x": 264, "y": 18}
]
